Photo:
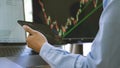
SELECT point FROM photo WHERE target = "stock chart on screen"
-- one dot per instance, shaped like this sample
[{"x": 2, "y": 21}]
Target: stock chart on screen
[{"x": 70, "y": 20}]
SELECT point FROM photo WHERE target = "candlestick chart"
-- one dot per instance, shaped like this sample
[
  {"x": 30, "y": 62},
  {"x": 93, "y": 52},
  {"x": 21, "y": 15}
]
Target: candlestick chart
[{"x": 70, "y": 18}]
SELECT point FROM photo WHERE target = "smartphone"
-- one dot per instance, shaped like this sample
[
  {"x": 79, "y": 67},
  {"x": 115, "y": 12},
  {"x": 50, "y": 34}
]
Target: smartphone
[{"x": 45, "y": 30}]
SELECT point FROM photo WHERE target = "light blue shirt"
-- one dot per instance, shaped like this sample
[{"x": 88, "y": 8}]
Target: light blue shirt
[{"x": 105, "y": 51}]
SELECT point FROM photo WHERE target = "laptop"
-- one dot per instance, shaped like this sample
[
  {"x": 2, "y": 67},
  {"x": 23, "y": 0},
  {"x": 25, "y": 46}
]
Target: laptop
[
  {"x": 12, "y": 35},
  {"x": 14, "y": 52}
]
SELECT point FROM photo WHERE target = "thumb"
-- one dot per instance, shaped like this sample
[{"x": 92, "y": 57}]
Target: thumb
[{"x": 28, "y": 29}]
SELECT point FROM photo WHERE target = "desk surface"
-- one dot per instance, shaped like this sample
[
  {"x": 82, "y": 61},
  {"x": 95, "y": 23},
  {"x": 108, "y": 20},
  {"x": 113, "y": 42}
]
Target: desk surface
[
  {"x": 26, "y": 61},
  {"x": 32, "y": 61}
]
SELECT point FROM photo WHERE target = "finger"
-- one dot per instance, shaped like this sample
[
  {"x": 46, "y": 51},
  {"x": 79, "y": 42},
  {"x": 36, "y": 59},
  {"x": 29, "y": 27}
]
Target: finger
[{"x": 28, "y": 29}]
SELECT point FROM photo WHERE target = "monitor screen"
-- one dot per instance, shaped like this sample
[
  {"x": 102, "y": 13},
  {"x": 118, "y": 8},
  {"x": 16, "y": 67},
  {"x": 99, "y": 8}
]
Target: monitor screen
[
  {"x": 10, "y": 30},
  {"x": 71, "y": 20}
]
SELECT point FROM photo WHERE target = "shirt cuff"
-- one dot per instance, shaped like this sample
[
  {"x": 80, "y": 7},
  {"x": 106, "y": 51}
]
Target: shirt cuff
[{"x": 45, "y": 49}]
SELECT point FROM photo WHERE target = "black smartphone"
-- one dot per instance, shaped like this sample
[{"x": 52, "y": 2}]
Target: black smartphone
[{"x": 45, "y": 30}]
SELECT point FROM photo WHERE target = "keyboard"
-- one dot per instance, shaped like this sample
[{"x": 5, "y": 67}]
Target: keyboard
[
  {"x": 22, "y": 55},
  {"x": 15, "y": 51}
]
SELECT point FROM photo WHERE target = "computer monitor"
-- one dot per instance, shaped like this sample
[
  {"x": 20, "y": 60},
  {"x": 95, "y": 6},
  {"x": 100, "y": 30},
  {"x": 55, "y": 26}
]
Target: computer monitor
[
  {"x": 10, "y": 30},
  {"x": 72, "y": 20}
]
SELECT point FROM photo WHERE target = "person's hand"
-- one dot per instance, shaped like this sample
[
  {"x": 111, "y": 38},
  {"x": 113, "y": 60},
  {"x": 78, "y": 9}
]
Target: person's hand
[{"x": 35, "y": 40}]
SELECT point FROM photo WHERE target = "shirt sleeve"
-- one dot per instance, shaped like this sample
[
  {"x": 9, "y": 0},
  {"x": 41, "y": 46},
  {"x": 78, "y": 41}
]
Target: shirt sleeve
[{"x": 58, "y": 58}]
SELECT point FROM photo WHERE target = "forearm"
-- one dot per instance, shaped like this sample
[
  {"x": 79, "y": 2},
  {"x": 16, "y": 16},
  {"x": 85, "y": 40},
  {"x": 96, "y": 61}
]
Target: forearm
[{"x": 58, "y": 58}]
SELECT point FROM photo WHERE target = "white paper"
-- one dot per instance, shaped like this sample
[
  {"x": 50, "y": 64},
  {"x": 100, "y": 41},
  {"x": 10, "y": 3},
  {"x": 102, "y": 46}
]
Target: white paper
[{"x": 5, "y": 63}]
